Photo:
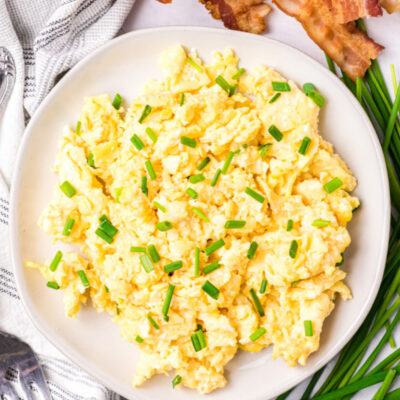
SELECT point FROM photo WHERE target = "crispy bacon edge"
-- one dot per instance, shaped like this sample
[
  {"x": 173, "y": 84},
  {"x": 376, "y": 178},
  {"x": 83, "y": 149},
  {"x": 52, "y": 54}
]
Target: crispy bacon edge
[
  {"x": 391, "y": 6},
  {"x": 349, "y": 10}
]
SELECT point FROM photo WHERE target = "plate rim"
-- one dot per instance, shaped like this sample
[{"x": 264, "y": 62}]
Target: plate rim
[{"x": 18, "y": 265}]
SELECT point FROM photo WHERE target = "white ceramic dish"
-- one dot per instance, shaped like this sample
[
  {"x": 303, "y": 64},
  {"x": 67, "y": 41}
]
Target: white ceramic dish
[{"x": 122, "y": 65}]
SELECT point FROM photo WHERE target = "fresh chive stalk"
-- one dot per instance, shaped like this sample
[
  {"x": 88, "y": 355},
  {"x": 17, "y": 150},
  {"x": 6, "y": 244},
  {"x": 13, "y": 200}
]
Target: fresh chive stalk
[
  {"x": 53, "y": 285},
  {"x": 211, "y": 267},
  {"x": 186, "y": 141},
  {"x": 252, "y": 250},
  {"x": 257, "y": 303},
  {"x": 56, "y": 260},
  {"x": 153, "y": 253},
  {"x": 214, "y": 247},
  {"x": 174, "y": 266},
  {"x": 68, "y": 189},
  {"x": 145, "y": 113},
  {"x": 151, "y": 134},
  {"x": 194, "y": 65},
  {"x": 82, "y": 276},
  {"x": 214, "y": 180},
  {"x": 197, "y": 261},
  {"x": 281, "y": 86},
  {"x": 116, "y": 103},
  {"x": 203, "y": 164},
  {"x": 256, "y": 196},
  {"x": 68, "y": 226},
  {"x": 234, "y": 224},
  {"x": 164, "y": 226},
  {"x": 200, "y": 214},
  {"x": 210, "y": 289},
  {"x": 275, "y": 133},
  {"x": 238, "y": 74},
  {"x": 257, "y": 334},
  {"x": 197, "y": 178},
  {"x": 263, "y": 286},
  {"x": 146, "y": 263},
  {"x": 159, "y": 206},
  {"x": 192, "y": 193}
]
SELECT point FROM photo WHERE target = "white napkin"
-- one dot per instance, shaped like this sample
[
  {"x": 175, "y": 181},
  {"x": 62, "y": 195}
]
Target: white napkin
[{"x": 45, "y": 38}]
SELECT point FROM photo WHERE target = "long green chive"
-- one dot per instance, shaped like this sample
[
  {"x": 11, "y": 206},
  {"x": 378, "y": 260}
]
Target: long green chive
[
  {"x": 221, "y": 81},
  {"x": 238, "y": 74},
  {"x": 200, "y": 214},
  {"x": 234, "y": 224},
  {"x": 153, "y": 253},
  {"x": 117, "y": 101},
  {"x": 307, "y": 87},
  {"x": 257, "y": 334},
  {"x": 359, "y": 90},
  {"x": 191, "y": 193},
  {"x": 82, "y": 275},
  {"x": 257, "y": 303},
  {"x": 108, "y": 228},
  {"x": 330, "y": 63},
  {"x": 308, "y": 329},
  {"x": 294, "y": 283},
  {"x": 136, "y": 141},
  {"x": 78, "y": 128},
  {"x": 203, "y": 164},
  {"x": 182, "y": 99},
  {"x": 391, "y": 122},
  {"x": 153, "y": 323},
  {"x": 393, "y": 75},
  {"x": 256, "y": 196},
  {"x": 263, "y": 286},
  {"x": 304, "y": 145},
  {"x": 252, "y": 250},
  {"x": 321, "y": 223},
  {"x": 214, "y": 247},
  {"x": 56, "y": 260},
  {"x": 196, "y": 261},
  {"x": 197, "y": 178},
  {"x": 146, "y": 111},
  {"x": 68, "y": 226},
  {"x": 211, "y": 290},
  {"x": 139, "y": 339},
  {"x": 68, "y": 189},
  {"x": 100, "y": 233},
  {"x": 381, "y": 393},
  {"x": 53, "y": 285},
  {"x": 150, "y": 169},
  {"x": 90, "y": 160},
  {"x": 151, "y": 134},
  {"x": 211, "y": 267},
  {"x": 333, "y": 184},
  {"x": 137, "y": 249},
  {"x": 159, "y": 206},
  {"x": 289, "y": 225},
  {"x": 168, "y": 298},
  {"x": 227, "y": 162},
  {"x": 275, "y": 133},
  {"x": 293, "y": 249},
  {"x": 186, "y": 141},
  {"x": 263, "y": 149},
  {"x": 176, "y": 381},
  {"x": 216, "y": 177},
  {"x": 174, "y": 266},
  {"x": 146, "y": 263},
  {"x": 164, "y": 226},
  {"x": 311, "y": 92},
  {"x": 143, "y": 186},
  {"x": 281, "y": 86},
  {"x": 194, "y": 65}
]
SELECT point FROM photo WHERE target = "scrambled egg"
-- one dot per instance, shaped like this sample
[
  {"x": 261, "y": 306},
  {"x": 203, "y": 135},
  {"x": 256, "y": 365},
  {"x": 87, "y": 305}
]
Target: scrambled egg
[{"x": 278, "y": 295}]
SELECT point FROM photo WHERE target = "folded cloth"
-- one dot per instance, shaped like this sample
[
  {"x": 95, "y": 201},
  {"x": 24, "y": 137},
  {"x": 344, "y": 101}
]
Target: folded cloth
[{"x": 45, "y": 38}]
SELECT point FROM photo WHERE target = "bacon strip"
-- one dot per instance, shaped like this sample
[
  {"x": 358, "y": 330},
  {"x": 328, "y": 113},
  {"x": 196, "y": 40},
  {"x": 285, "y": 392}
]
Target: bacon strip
[
  {"x": 349, "y": 10},
  {"x": 391, "y": 6},
  {"x": 349, "y": 47}
]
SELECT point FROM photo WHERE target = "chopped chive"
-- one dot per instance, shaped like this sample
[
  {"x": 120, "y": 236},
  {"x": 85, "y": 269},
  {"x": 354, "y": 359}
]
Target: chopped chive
[
  {"x": 108, "y": 228},
  {"x": 153, "y": 323},
  {"x": 211, "y": 290},
  {"x": 197, "y": 261},
  {"x": 263, "y": 149},
  {"x": 332, "y": 185},
  {"x": 256, "y": 302},
  {"x": 68, "y": 226},
  {"x": 146, "y": 111},
  {"x": 53, "y": 285},
  {"x": 281, "y": 86},
  {"x": 238, "y": 74},
  {"x": 252, "y": 250},
  {"x": 78, "y": 128},
  {"x": 176, "y": 381},
  {"x": 275, "y": 133},
  {"x": 150, "y": 169},
  {"x": 139, "y": 339},
  {"x": 341, "y": 262},
  {"x": 90, "y": 160},
  {"x": 293, "y": 249},
  {"x": 202, "y": 340},
  {"x": 216, "y": 177},
  {"x": 117, "y": 101},
  {"x": 153, "y": 253},
  {"x": 168, "y": 298},
  {"x": 165, "y": 318},
  {"x": 263, "y": 286},
  {"x": 182, "y": 99},
  {"x": 317, "y": 98},
  {"x": 100, "y": 233},
  {"x": 234, "y": 224},
  {"x": 174, "y": 266},
  {"x": 245, "y": 146},
  {"x": 136, "y": 141},
  {"x": 151, "y": 134},
  {"x": 294, "y": 283},
  {"x": 104, "y": 218},
  {"x": 307, "y": 87},
  {"x": 82, "y": 275},
  {"x": 214, "y": 247},
  {"x": 257, "y": 334},
  {"x": 159, "y": 206},
  {"x": 194, "y": 65},
  {"x": 106, "y": 289},
  {"x": 56, "y": 260},
  {"x": 227, "y": 162},
  {"x": 195, "y": 342},
  {"x": 146, "y": 263},
  {"x": 321, "y": 223},
  {"x": 197, "y": 178},
  {"x": 68, "y": 189},
  {"x": 304, "y": 145},
  {"x": 200, "y": 214},
  {"x": 191, "y": 193},
  {"x": 186, "y": 141},
  {"x": 274, "y": 98},
  {"x": 221, "y": 81},
  {"x": 203, "y": 164},
  {"x": 308, "y": 329},
  {"x": 143, "y": 186},
  {"x": 289, "y": 225},
  {"x": 164, "y": 226},
  {"x": 117, "y": 310},
  {"x": 137, "y": 249},
  {"x": 256, "y": 196},
  {"x": 211, "y": 267}
]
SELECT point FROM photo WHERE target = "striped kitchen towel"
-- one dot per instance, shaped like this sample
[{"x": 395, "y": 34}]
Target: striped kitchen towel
[{"x": 45, "y": 38}]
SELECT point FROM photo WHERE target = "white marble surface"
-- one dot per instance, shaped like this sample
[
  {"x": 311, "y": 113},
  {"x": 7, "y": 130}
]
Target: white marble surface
[{"x": 384, "y": 30}]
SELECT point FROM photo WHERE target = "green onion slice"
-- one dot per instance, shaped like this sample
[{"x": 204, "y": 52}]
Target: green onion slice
[
  {"x": 117, "y": 101},
  {"x": 203, "y": 164},
  {"x": 238, "y": 74},
  {"x": 333, "y": 185},
  {"x": 176, "y": 381},
  {"x": 153, "y": 323},
  {"x": 274, "y": 98},
  {"x": 68, "y": 226},
  {"x": 197, "y": 178},
  {"x": 164, "y": 226},
  {"x": 153, "y": 253},
  {"x": 197, "y": 261},
  {"x": 200, "y": 214},
  {"x": 304, "y": 145},
  {"x": 289, "y": 225},
  {"x": 151, "y": 134},
  {"x": 257, "y": 334},
  {"x": 234, "y": 224},
  {"x": 108, "y": 228},
  {"x": 308, "y": 328},
  {"x": 174, "y": 266},
  {"x": 53, "y": 285},
  {"x": 263, "y": 286},
  {"x": 316, "y": 97},
  {"x": 168, "y": 298},
  {"x": 216, "y": 177},
  {"x": 252, "y": 250},
  {"x": 78, "y": 128},
  {"x": 90, "y": 160},
  {"x": 159, "y": 206},
  {"x": 68, "y": 189},
  {"x": 294, "y": 283},
  {"x": 139, "y": 339},
  {"x": 211, "y": 290},
  {"x": 275, "y": 133},
  {"x": 281, "y": 86},
  {"x": 194, "y": 65},
  {"x": 227, "y": 162},
  {"x": 257, "y": 303},
  {"x": 137, "y": 249},
  {"x": 307, "y": 87},
  {"x": 214, "y": 247},
  {"x": 192, "y": 193},
  {"x": 143, "y": 186},
  {"x": 321, "y": 223},
  {"x": 56, "y": 260},
  {"x": 211, "y": 267},
  {"x": 82, "y": 275},
  {"x": 293, "y": 249},
  {"x": 221, "y": 81},
  {"x": 136, "y": 141},
  {"x": 100, "y": 233},
  {"x": 263, "y": 149},
  {"x": 150, "y": 169},
  {"x": 256, "y": 196},
  {"x": 182, "y": 99},
  {"x": 187, "y": 141},
  {"x": 146, "y": 263},
  {"x": 146, "y": 111}
]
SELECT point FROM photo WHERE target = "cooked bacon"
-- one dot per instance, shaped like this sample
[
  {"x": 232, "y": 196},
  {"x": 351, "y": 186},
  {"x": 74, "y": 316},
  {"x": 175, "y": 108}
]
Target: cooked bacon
[
  {"x": 391, "y": 6},
  {"x": 165, "y": 1},
  {"x": 243, "y": 15},
  {"x": 349, "y": 10},
  {"x": 349, "y": 47}
]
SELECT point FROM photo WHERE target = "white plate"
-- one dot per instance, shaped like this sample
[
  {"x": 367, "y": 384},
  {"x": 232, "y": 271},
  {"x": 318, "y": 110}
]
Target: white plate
[{"x": 122, "y": 65}]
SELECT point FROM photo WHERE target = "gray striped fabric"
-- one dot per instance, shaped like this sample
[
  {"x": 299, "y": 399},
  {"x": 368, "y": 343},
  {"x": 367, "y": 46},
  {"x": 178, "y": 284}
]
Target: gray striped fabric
[{"x": 46, "y": 38}]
